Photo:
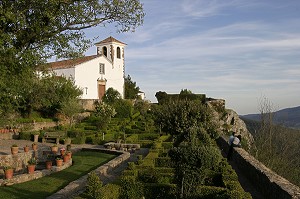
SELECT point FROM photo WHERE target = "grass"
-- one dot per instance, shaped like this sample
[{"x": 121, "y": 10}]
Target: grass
[{"x": 83, "y": 163}]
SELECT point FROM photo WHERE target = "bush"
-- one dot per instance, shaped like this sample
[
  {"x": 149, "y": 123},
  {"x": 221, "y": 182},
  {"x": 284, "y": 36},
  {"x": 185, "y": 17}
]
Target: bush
[
  {"x": 93, "y": 185},
  {"x": 110, "y": 191},
  {"x": 131, "y": 188},
  {"x": 157, "y": 190},
  {"x": 167, "y": 145},
  {"x": 148, "y": 136},
  {"x": 25, "y": 135},
  {"x": 146, "y": 143},
  {"x": 79, "y": 140},
  {"x": 163, "y": 162}
]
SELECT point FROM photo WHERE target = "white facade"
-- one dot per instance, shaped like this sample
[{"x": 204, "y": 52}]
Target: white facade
[{"x": 95, "y": 74}]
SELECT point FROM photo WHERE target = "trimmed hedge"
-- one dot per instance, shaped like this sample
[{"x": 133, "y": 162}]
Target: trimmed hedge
[
  {"x": 157, "y": 190},
  {"x": 110, "y": 191},
  {"x": 163, "y": 162}
]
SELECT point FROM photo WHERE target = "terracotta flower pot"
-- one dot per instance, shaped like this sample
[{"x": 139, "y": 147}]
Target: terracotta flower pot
[
  {"x": 62, "y": 152},
  {"x": 59, "y": 162},
  {"x": 48, "y": 164},
  {"x": 66, "y": 158},
  {"x": 31, "y": 168},
  {"x": 14, "y": 150},
  {"x": 34, "y": 147},
  {"x": 26, "y": 148},
  {"x": 9, "y": 173},
  {"x": 54, "y": 149}
]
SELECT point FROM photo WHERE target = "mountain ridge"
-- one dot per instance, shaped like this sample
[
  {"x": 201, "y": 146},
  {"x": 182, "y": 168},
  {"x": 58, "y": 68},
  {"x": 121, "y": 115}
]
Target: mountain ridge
[{"x": 288, "y": 117}]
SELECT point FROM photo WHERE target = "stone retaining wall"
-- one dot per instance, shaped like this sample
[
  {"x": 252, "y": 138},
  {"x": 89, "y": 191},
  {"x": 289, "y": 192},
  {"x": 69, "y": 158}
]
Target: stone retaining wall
[
  {"x": 37, "y": 174},
  {"x": 78, "y": 186},
  {"x": 263, "y": 179},
  {"x": 18, "y": 161}
]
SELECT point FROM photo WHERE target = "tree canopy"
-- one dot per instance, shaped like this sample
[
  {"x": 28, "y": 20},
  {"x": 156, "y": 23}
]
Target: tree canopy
[
  {"x": 131, "y": 89},
  {"x": 33, "y": 31}
]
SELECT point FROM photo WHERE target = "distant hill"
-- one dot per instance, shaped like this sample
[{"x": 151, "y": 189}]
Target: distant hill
[{"x": 289, "y": 117}]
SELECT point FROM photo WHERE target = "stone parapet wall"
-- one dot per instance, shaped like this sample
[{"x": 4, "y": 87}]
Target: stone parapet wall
[
  {"x": 78, "y": 186},
  {"x": 263, "y": 179}
]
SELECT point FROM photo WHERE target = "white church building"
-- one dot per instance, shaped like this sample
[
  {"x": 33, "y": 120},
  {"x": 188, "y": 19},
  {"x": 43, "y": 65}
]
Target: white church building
[{"x": 96, "y": 73}]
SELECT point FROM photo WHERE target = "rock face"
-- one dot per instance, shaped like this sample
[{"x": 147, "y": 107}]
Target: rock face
[{"x": 228, "y": 120}]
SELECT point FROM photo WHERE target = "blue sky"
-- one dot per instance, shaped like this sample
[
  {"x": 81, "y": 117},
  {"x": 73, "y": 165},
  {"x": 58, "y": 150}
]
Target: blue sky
[{"x": 237, "y": 50}]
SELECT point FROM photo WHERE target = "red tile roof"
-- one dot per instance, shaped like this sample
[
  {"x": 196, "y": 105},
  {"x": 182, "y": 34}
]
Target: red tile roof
[
  {"x": 70, "y": 63},
  {"x": 109, "y": 40}
]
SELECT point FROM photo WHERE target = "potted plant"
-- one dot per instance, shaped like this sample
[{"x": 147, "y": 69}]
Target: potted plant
[
  {"x": 26, "y": 148},
  {"x": 67, "y": 141},
  {"x": 8, "y": 171},
  {"x": 14, "y": 149},
  {"x": 69, "y": 153},
  {"x": 31, "y": 165},
  {"x": 62, "y": 151},
  {"x": 59, "y": 161},
  {"x": 34, "y": 146},
  {"x": 36, "y": 136},
  {"x": 54, "y": 148},
  {"x": 69, "y": 147}
]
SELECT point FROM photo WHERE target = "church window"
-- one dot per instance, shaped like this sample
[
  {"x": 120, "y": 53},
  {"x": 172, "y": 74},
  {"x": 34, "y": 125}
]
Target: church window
[
  {"x": 118, "y": 53},
  {"x": 104, "y": 49},
  {"x": 101, "y": 68}
]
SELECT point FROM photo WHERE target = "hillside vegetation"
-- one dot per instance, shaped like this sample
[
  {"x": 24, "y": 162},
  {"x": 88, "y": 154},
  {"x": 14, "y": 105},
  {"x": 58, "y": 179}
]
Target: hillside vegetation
[{"x": 277, "y": 147}]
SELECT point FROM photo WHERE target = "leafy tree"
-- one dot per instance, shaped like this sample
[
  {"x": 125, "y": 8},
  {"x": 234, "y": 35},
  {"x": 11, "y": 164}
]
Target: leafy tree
[
  {"x": 111, "y": 96},
  {"x": 31, "y": 32},
  {"x": 103, "y": 115},
  {"x": 131, "y": 90},
  {"x": 177, "y": 116},
  {"x": 70, "y": 108}
]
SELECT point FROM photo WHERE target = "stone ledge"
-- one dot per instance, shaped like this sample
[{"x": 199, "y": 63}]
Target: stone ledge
[
  {"x": 78, "y": 186},
  {"x": 270, "y": 184},
  {"x": 37, "y": 174}
]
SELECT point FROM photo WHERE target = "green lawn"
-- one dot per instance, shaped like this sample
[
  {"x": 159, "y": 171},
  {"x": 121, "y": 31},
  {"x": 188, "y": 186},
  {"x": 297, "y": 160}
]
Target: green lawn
[{"x": 83, "y": 162}]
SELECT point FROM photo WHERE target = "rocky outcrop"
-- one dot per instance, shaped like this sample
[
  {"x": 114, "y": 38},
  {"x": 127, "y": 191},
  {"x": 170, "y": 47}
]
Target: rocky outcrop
[{"x": 228, "y": 121}]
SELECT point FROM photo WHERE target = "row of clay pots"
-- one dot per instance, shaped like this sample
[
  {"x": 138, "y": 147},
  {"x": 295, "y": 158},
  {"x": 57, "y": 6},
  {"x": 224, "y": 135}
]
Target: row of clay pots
[
  {"x": 15, "y": 149},
  {"x": 31, "y": 168}
]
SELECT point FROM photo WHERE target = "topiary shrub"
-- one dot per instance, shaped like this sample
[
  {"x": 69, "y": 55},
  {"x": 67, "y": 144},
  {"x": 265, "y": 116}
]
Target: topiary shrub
[
  {"x": 163, "y": 162},
  {"x": 93, "y": 185},
  {"x": 157, "y": 190},
  {"x": 110, "y": 191},
  {"x": 131, "y": 188}
]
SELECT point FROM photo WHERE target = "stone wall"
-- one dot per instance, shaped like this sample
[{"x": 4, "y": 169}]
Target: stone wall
[
  {"x": 18, "y": 161},
  {"x": 265, "y": 180}
]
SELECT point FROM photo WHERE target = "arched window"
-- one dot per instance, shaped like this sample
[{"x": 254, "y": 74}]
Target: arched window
[
  {"x": 118, "y": 53},
  {"x": 104, "y": 49}
]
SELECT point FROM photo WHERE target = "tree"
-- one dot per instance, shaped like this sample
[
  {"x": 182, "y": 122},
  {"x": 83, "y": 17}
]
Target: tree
[
  {"x": 70, "y": 108},
  {"x": 33, "y": 31},
  {"x": 111, "y": 96},
  {"x": 55, "y": 27},
  {"x": 131, "y": 90},
  {"x": 103, "y": 115},
  {"x": 177, "y": 116}
]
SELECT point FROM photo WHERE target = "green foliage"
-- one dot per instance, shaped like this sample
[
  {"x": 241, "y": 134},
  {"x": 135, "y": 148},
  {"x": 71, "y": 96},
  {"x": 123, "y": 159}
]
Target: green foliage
[
  {"x": 163, "y": 162},
  {"x": 131, "y": 90},
  {"x": 163, "y": 97},
  {"x": 176, "y": 117},
  {"x": 131, "y": 188},
  {"x": 25, "y": 135},
  {"x": 159, "y": 190},
  {"x": 124, "y": 108},
  {"x": 110, "y": 191},
  {"x": 93, "y": 185},
  {"x": 111, "y": 96},
  {"x": 103, "y": 115}
]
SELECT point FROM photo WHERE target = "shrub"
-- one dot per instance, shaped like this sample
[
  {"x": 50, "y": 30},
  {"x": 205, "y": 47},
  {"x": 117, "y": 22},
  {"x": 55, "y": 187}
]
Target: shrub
[
  {"x": 93, "y": 185},
  {"x": 157, "y": 190},
  {"x": 110, "y": 191},
  {"x": 163, "y": 162},
  {"x": 25, "y": 135},
  {"x": 148, "y": 136},
  {"x": 79, "y": 140},
  {"x": 146, "y": 143},
  {"x": 131, "y": 188},
  {"x": 167, "y": 145}
]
